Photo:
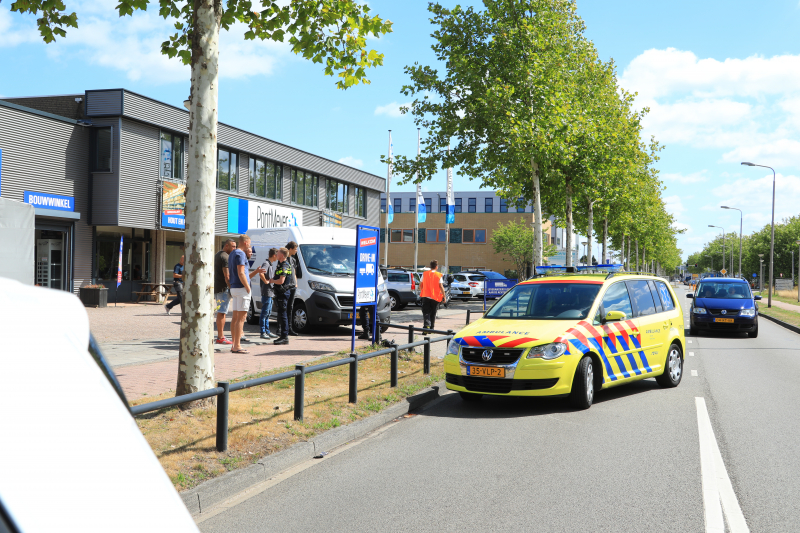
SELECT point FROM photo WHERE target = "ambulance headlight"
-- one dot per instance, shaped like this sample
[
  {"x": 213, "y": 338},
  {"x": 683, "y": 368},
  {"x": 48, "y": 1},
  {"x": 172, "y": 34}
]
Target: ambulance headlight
[
  {"x": 548, "y": 351},
  {"x": 453, "y": 347}
]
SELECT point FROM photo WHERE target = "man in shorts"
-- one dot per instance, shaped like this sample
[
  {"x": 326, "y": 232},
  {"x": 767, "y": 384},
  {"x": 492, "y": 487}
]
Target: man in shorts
[
  {"x": 238, "y": 265},
  {"x": 222, "y": 294}
]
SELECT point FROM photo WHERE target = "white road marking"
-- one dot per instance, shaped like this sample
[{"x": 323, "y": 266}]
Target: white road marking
[
  {"x": 691, "y": 354},
  {"x": 689, "y": 340},
  {"x": 718, "y": 495},
  {"x": 694, "y": 373}
]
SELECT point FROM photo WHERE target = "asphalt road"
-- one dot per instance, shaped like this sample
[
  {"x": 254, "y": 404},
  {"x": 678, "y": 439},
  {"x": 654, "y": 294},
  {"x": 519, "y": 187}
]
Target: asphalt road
[{"x": 632, "y": 462}]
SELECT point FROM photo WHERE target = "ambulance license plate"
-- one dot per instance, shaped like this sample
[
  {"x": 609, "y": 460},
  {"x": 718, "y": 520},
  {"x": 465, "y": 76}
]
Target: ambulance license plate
[
  {"x": 486, "y": 371},
  {"x": 729, "y": 320}
]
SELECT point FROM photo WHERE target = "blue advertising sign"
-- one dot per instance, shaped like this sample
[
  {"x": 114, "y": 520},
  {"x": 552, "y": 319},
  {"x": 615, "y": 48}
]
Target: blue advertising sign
[
  {"x": 365, "y": 285},
  {"x": 497, "y": 287},
  {"x": 50, "y": 201}
]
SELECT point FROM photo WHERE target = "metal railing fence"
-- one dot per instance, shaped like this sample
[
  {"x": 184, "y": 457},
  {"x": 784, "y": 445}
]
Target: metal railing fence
[{"x": 224, "y": 388}]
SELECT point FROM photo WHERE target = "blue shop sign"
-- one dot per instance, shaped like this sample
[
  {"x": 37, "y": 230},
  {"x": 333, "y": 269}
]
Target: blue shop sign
[{"x": 50, "y": 201}]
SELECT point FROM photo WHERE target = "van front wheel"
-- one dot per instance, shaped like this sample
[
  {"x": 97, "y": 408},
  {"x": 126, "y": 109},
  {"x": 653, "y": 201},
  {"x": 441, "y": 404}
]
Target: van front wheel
[{"x": 300, "y": 321}]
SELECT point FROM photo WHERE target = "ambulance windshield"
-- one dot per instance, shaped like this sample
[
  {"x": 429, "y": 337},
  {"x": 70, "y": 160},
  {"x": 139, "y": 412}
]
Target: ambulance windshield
[{"x": 546, "y": 301}]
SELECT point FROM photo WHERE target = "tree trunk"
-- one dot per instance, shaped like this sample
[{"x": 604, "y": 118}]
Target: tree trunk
[
  {"x": 537, "y": 217},
  {"x": 628, "y": 257},
  {"x": 605, "y": 240},
  {"x": 589, "y": 233},
  {"x": 196, "y": 357},
  {"x": 622, "y": 254},
  {"x": 568, "y": 244},
  {"x": 637, "y": 255}
]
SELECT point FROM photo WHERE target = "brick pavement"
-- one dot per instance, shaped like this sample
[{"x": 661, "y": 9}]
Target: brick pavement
[{"x": 159, "y": 377}]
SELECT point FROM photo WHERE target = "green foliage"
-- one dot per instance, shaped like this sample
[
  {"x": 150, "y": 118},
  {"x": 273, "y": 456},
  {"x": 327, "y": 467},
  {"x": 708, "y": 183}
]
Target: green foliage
[
  {"x": 329, "y": 32},
  {"x": 514, "y": 241}
]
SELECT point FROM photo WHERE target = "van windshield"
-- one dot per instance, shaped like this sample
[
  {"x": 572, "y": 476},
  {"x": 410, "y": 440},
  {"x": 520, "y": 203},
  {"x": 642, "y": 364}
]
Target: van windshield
[{"x": 329, "y": 259}]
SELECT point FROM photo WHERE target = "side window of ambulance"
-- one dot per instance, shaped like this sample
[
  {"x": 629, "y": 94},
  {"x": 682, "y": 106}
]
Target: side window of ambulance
[
  {"x": 666, "y": 297},
  {"x": 640, "y": 291},
  {"x": 654, "y": 292},
  {"x": 616, "y": 298}
]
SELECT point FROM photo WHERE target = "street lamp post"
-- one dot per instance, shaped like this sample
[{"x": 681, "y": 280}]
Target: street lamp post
[
  {"x": 585, "y": 259},
  {"x": 798, "y": 270},
  {"x": 723, "y": 243},
  {"x": 772, "y": 237},
  {"x": 741, "y": 216}
]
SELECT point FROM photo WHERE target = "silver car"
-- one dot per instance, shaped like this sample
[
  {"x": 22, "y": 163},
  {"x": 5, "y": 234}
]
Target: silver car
[{"x": 467, "y": 285}]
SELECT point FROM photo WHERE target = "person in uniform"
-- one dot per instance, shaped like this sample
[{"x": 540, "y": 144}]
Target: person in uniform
[
  {"x": 431, "y": 290},
  {"x": 365, "y": 316},
  {"x": 294, "y": 262},
  {"x": 284, "y": 285}
]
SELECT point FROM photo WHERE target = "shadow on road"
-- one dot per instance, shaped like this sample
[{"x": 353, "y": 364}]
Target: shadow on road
[{"x": 452, "y": 406}]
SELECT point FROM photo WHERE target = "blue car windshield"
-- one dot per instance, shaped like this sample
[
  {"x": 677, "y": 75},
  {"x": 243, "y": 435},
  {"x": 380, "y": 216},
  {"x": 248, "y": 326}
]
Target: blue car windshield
[
  {"x": 546, "y": 301},
  {"x": 724, "y": 290},
  {"x": 492, "y": 275}
]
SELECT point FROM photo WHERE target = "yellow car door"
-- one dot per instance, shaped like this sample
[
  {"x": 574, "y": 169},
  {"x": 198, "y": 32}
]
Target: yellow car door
[
  {"x": 650, "y": 323},
  {"x": 615, "y": 339},
  {"x": 671, "y": 315}
]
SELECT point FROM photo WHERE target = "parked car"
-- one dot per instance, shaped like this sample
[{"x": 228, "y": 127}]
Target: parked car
[
  {"x": 402, "y": 287},
  {"x": 324, "y": 280},
  {"x": 724, "y": 304},
  {"x": 467, "y": 285}
]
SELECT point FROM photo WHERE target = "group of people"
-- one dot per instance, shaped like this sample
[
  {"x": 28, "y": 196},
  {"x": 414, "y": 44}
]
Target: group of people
[{"x": 278, "y": 278}]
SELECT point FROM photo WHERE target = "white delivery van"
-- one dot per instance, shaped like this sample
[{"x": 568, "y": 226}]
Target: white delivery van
[{"x": 327, "y": 258}]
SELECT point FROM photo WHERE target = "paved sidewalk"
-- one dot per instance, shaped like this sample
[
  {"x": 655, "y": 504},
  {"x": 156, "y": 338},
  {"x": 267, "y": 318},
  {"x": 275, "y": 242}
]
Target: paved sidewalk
[
  {"x": 155, "y": 378},
  {"x": 783, "y": 305}
]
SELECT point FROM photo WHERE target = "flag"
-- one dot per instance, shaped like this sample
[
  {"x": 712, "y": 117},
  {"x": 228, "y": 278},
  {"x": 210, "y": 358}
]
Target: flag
[
  {"x": 119, "y": 267},
  {"x": 451, "y": 202},
  {"x": 390, "y": 213},
  {"x": 421, "y": 212}
]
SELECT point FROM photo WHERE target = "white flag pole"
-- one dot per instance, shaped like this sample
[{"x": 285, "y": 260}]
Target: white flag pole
[
  {"x": 449, "y": 193},
  {"x": 387, "y": 236},
  {"x": 416, "y": 219}
]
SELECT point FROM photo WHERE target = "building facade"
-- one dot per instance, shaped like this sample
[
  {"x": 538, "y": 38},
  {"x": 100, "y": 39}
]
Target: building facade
[{"x": 111, "y": 164}]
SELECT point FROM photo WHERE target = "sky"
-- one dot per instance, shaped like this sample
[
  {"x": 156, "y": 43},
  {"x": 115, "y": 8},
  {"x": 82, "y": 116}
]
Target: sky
[{"x": 721, "y": 80}]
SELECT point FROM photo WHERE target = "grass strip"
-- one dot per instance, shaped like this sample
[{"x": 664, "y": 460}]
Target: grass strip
[
  {"x": 260, "y": 419},
  {"x": 790, "y": 317}
]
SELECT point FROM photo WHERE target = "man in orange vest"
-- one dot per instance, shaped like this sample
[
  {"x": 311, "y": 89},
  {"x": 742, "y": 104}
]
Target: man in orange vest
[{"x": 431, "y": 290}]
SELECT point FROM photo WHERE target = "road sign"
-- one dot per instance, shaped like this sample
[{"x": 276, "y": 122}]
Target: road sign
[
  {"x": 755, "y": 275},
  {"x": 723, "y": 271},
  {"x": 365, "y": 284}
]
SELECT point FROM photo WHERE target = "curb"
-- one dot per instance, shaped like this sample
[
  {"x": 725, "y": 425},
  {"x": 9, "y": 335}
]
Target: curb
[
  {"x": 781, "y": 323},
  {"x": 219, "y": 489}
]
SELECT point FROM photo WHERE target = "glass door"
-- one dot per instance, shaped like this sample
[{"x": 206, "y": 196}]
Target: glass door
[{"x": 53, "y": 258}]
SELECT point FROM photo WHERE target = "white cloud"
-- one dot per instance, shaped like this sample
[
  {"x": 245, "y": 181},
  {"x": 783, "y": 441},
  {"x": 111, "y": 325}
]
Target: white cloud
[
  {"x": 674, "y": 205},
  {"x": 351, "y": 161},
  {"x": 694, "y": 177},
  {"x": 777, "y": 153},
  {"x": 16, "y": 29},
  {"x": 391, "y": 110},
  {"x": 754, "y": 198}
]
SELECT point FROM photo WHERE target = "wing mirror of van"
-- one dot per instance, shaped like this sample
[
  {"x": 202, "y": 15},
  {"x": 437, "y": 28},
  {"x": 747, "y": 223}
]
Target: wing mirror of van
[{"x": 614, "y": 315}]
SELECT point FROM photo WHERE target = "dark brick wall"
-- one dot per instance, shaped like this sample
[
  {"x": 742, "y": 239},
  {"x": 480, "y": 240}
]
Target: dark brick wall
[{"x": 63, "y": 106}]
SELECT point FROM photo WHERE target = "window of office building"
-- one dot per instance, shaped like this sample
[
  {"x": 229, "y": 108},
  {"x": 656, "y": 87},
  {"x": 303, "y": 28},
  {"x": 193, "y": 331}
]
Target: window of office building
[
  {"x": 101, "y": 160},
  {"x": 458, "y": 205},
  {"x": 227, "y": 170},
  {"x": 337, "y": 196},
  {"x": 412, "y": 205},
  {"x": 383, "y": 205},
  {"x": 402, "y": 235},
  {"x": 428, "y": 205},
  {"x": 472, "y": 204},
  {"x": 265, "y": 179},
  {"x": 434, "y": 235},
  {"x": 488, "y": 205},
  {"x": 305, "y": 188},
  {"x": 361, "y": 202},
  {"x": 503, "y": 206},
  {"x": 473, "y": 236},
  {"x": 443, "y": 205},
  {"x": 398, "y": 205},
  {"x": 171, "y": 163}
]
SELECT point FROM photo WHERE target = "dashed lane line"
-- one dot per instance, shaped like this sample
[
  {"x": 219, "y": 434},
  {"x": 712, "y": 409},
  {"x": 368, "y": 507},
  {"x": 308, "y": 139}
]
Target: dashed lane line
[
  {"x": 694, "y": 373},
  {"x": 718, "y": 494},
  {"x": 691, "y": 354}
]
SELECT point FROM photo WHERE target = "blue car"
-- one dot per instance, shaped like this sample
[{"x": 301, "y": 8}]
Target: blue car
[{"x": 724, "y": 304}]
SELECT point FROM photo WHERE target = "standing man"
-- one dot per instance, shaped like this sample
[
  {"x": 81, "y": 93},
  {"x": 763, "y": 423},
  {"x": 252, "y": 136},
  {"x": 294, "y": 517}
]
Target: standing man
[
  {"x": 222, "y": 282},
  {"x": 177, "y": 284},
  {"x": 267, "y": 293},
  {"x": 365, "y": 316},
  {"x": 284, "y": 286},
  {"x": 240, "y": 289},
  {"x": 295, "y": 264},
  {"x": 431, "y": 290}
]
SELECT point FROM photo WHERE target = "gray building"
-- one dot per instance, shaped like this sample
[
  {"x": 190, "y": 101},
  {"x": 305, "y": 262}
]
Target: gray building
[{"x": 111, "y": 164}]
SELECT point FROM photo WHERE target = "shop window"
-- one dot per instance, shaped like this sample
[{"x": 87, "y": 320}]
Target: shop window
[
  {"x": 102, "y": 150},
  {"x": 265, "y": 179},
  {"x": 488, "y": 205},
  {"x": 305, "y": 188},
  {"x": 227, "y": 170},
  {"x": 472, "y": 205},
  {"x": 171, "y": 156},
  {"x": 458, "y": 205},
  {"x": 503, "y": 206},
  {"x": 337, "y": 193},
  {"x": 361, "y": 202}
]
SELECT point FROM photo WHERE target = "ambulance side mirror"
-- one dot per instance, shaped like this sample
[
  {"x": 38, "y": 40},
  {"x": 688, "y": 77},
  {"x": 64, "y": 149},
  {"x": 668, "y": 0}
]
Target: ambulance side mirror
[{"x": 614, "y": 315}]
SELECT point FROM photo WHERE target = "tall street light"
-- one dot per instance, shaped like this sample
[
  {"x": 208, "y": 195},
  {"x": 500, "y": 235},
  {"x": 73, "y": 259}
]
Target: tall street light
[
  {"x": 772, "y": 238},
  {"x": 741, "y": 216},
  {"x": 586, "y": 259},
  {"x": 798, "y": 270},
  {"x": 723, "y": 243}
]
